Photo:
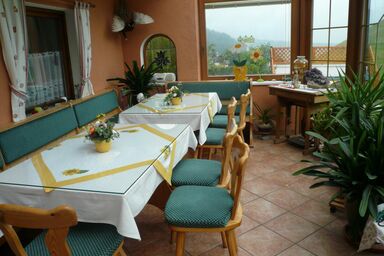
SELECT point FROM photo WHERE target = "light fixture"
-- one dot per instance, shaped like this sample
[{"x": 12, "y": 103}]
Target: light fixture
[{"x": 125, "y": 21}]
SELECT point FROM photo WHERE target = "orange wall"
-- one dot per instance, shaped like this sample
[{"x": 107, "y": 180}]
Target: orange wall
[
  {"x": 107, "y": 58},
  {"x": 177, "y": 19}
]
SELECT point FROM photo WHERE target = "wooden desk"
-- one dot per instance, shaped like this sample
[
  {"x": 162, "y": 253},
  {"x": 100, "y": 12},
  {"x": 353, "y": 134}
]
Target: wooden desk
[{"x": 309, "y": 99}]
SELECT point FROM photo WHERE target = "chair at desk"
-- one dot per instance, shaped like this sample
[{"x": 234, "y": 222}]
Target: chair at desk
[{"x": 81, "y": 239}]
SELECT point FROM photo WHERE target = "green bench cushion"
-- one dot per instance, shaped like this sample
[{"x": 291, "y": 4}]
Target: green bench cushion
[
  {"x": 85, "y": 239},
  {"x": 26, "y": 138},
  {"x": 199, "y": 172},
  {"x": 224, "y": 89},
  {"x": 199, "y": 207},
  {"x": 87, "y": 111},
  {"x": 224, "y": 110},
  {"x": 215, "y": 136},
  {"x": 221, "y": 121}
]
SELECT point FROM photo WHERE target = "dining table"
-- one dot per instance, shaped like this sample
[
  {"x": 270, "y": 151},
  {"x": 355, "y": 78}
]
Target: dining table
[
  {"x": 196, "y": 109},
  {"x": 111, "y": 187}
]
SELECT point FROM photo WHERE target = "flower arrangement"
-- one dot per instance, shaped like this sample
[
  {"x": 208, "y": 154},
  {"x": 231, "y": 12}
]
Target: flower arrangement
[
  {"x": 101, "y": 130},
  {"x": 174, "y": 96},
  {"x": 239, "y": 58}
]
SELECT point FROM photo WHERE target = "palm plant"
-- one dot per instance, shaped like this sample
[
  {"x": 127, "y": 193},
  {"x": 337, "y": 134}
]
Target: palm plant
[
  {"x": 352, "y": 158},
  {"x": 138, "y": 78}
]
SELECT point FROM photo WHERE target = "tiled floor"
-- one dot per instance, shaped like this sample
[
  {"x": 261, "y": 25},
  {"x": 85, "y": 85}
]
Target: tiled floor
[{"x": 282, "y": 216}]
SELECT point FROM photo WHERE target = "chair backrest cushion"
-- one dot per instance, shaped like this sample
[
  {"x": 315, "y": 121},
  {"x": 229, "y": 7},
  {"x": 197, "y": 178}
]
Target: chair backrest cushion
[
  {"x": 32, "y": 135},
  {"x": 225, "y": 89},
  {"x": 87, "y": 110}
]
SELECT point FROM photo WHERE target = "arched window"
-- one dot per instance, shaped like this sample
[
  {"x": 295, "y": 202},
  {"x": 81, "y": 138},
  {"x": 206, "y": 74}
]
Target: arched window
[{"x": 160, "y": 48}]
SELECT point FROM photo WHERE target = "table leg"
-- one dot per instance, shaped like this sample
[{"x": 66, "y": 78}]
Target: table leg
[
  {"x": 307, "y": 127},
  {"x": 281, "y": 122}
]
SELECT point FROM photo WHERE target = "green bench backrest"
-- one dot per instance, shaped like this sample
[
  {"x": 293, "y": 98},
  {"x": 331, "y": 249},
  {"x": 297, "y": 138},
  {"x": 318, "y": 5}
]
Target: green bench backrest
[
  {"x": 225, "y": 89},
  {"x": 28, "y": 137},
  {"x": 86, "y": 111}
]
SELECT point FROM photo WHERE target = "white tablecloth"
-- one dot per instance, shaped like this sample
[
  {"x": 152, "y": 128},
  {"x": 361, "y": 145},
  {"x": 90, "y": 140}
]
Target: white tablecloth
[
  {"x": 197, "y": 110},
  {"x": 112, "y": 187}
]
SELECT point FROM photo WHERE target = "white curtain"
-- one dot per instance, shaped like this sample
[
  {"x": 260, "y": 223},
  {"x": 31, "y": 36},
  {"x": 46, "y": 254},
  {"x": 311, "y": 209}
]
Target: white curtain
[
  {"x": 45, "y": 78},
  {"x": 14, "y": 46},
  {"x": 84, "y": 41}
]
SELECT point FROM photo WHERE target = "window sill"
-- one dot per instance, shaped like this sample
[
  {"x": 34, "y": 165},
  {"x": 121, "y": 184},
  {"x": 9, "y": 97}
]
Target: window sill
[{"x": 271, "y": 82}]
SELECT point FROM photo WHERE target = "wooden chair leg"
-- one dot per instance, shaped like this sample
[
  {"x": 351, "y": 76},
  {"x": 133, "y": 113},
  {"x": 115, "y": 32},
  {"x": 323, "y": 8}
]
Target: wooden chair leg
[
  {"x": 173, "y": 237},
  {"x": 224, "y": 239},
  {"x": 196, "y": 153},
  {"x": 210, "y": 154},
  {"x": 201, "y": 152},
  {"x": 231, "y": 240},
  {"x": 180, "y": 243}
]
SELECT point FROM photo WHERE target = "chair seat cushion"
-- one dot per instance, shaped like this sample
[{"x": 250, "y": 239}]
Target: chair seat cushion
[
  {"x": 221, "y": 121},
  {"x": 85, "y": 239},
  {"x": 215, "y": 136},
  {"x": 199, "y": 207},
  {"x": 224, "y": 110},
  {"x": 199, "y": 172}
]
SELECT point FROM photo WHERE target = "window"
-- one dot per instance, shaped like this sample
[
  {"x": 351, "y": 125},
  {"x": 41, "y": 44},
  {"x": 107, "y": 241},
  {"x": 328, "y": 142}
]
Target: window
[
  {"x": 329, "y": 36},
  {"x": 373, "y": 56},
  {"x": 49, "y": 68},
  {"x": 260, "y": 25},
  {"x": 160, "y": 48}
]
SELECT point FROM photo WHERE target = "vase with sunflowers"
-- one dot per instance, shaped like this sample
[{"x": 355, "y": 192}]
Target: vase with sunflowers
[
  {"x": 257, "y": 57},
  {"x": 239, "y": 61}
]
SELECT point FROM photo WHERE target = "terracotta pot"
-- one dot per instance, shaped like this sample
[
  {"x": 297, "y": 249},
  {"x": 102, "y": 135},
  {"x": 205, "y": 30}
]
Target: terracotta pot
[
  {"x": 240, "y": 73},
  {"x": 103, "y": 146},
  {"x": 176, "y": 101},
  {"x": 355, "y": 226}
]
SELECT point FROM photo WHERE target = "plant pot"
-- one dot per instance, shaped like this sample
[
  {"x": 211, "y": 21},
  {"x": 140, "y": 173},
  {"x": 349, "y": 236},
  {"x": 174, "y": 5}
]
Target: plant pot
[
  {"x": 264, "y": 127},
  {"x": 176, "y": 101},
  {"x": 240, "y": 73},
  {"x": 103, "y": 146},
  {"x": 356, "y": 224}
]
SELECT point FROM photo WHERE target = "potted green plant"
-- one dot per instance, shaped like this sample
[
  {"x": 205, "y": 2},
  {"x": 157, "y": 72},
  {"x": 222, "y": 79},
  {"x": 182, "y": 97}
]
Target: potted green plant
[
  {"x": 352, "y": 157},
  {"x": 138, "y": 78},
  {"x": 264, "y": 121}
]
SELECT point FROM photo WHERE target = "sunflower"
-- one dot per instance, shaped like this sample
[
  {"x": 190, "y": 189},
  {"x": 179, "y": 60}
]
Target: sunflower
[{"x": 256, "y": 55}]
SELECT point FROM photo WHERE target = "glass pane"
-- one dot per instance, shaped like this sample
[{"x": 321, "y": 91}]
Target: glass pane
[
  {"x": 339, "y": 13},
  {"x": 46, "y": 80},
  {"x": 320, "y": 45},
  {"x": 380, "y": 46},
  {"x": 162, "y": 50},
  {"x": 370, "y": 44},
  {"x": 247, "y": 25},
  {"x": 321, "y": 13},
  {"x": 375, "y": 10},
  {"x": 337, "y": 51},
  {"x": 321, "y": 65}
]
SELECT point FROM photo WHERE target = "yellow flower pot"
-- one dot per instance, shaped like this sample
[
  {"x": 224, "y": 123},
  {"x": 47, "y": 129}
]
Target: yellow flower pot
[
  {"x": 240, "y": 73},
  {"x": 103, "y": 146},
  {"x": 176, "y": 101}
]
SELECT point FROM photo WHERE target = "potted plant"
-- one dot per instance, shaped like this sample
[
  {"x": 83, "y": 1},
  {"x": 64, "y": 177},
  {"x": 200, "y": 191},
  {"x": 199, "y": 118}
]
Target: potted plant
[
  {"x": 101, "y": 133},
  {"x": 174, "y": 96},
  {"x": 239, "y": 61},
  {"x": 352, "y": 157},
  {"x": 137, "y": 79},
  {"x": 264, "y": 122}
]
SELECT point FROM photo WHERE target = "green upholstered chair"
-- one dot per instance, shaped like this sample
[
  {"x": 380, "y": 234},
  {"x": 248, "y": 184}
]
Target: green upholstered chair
[
  {"x": 215, "y": 136},
  {"x": 209, "y": 209},
  {"x": 203, "y": 172},
  {"x": 35, "y": 132},
  {"x": 87, "y": 109},
  {"x": 63, "y": 237}
]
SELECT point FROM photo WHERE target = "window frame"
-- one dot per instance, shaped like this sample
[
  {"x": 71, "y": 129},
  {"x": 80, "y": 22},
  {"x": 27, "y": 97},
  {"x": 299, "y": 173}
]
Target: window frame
[
  {"x": 203, "y": 47},
  {"x": 64, "y": 45},
  {"x": 146, "y": 45}
]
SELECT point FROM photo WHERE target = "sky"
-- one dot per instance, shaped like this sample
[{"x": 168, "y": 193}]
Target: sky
[{"x": 272, "y": 22}]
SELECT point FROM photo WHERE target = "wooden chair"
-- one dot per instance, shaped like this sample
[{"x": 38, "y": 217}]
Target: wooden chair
[
  {"x": 215, "y": 136},
  {"x": 210, "y": 209},
  {"x": 83, "y": 239}
]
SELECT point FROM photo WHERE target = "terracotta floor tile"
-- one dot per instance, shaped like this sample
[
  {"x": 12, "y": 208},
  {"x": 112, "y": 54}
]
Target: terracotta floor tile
[
  {"x": 324, "y": 243},
  {"x": 259, "y": 168},
  {"x": 302, "y": 186},
  {"x": 220, "y": 251},
  {"x": 292, "y": 227},
  {"x": 337, "y": 226},
  {"x": 247, "y": 196},
  {"x": 197, "y": 243},
  {"x": 158, "y": 248},
  {"x": 281, "y": 178},
  {"x": 263, "y": 242},
  {"x": 315, "y": 212},
  {"x": 246, "y": 225},
  {"x": 261, "y": 186},
  {"x": 262, "y": 211},
  {"x": 285, "y": 198},
  {"x": 295, "y": 251}
]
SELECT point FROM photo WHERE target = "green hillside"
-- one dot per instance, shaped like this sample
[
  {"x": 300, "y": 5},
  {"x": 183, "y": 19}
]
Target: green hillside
[{"x": 222, "y": 41}]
